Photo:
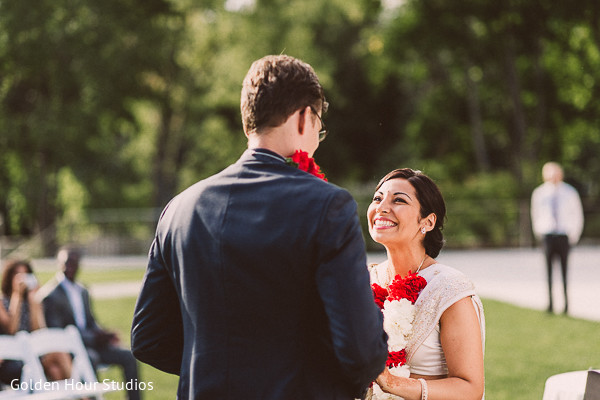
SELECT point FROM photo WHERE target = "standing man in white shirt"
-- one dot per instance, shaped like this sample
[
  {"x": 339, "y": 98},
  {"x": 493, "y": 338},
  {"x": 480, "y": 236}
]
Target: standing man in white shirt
[
  {"x": 66, "y": 302},
  {"x": 557, "y": 220}
]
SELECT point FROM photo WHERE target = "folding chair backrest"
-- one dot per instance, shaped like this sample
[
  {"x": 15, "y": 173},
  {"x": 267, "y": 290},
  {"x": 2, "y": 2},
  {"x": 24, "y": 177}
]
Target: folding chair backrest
[
  {"x": 11, "y": 348},
  {"x": 16, "y": 347},
  {"x": 68, "y": 340}
]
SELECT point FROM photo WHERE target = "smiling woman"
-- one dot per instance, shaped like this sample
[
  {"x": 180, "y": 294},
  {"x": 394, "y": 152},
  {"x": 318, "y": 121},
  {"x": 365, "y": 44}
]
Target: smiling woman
[
  {"x": 410, "y": 201},
  {"x": 395, "y": 214},
  {"x": 436, "y": 344}
]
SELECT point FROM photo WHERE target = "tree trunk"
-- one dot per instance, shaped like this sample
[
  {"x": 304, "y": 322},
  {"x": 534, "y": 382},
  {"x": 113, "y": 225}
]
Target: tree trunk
[
  {"x": 163, "y": 179},
  {"x": 170, "y": 151},
  {"x": 541, "y": 110},
  {"x": 518, "y": 113},
  {"x": 474, "y": 107},
  {"x": 46, "y": 221}
]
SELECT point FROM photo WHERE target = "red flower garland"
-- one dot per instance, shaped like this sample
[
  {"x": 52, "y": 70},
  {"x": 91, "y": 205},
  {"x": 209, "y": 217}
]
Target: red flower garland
[
  {"x": 407, "y": 288},
  {"x": 302, "y": 161},
  {"x": 396, "y": 358},
  {"x": 380, "y": 294},
  {"x": 401, "y": 288}
]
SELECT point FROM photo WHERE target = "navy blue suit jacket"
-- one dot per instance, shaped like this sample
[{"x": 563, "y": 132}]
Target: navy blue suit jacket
[
  {"x": 257, "y": 288},
  {"x": 59, "y": 313}
]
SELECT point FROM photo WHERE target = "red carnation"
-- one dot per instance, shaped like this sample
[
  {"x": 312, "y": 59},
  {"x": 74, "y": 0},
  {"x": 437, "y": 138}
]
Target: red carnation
[
  {"x": 305, "y": 163},
  {"x": 380, "y": 294},
  {"x": 396, "y": 358},
  {"x": 301, "y": 158},
  {"x": 407, "y": 288},
  {"x": 315, "y": 170}
]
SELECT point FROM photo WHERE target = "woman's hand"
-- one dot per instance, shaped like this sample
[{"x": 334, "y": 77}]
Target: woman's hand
[
  {"x": 407, "y": 388},
  {"x": 384, "y": 380},
  {"x": 19, "y": 284}
]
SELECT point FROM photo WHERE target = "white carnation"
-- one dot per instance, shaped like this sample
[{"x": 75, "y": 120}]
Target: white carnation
[
  {"x": 396, "y": 342},
  {"x": 401, "y": 371},
  {"x": 398, "y": 316}
]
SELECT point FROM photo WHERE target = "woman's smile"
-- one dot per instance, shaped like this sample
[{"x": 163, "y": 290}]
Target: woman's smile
[{"x": 383, "y": 223}]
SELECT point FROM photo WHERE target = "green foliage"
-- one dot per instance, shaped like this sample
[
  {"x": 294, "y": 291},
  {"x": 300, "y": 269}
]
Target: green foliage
[
  {"x": 140, "y": 99},
  {"x": 72, "y": 199},
  {"x": 482, "y": 211},
  {"x": 69, "y": 72}
]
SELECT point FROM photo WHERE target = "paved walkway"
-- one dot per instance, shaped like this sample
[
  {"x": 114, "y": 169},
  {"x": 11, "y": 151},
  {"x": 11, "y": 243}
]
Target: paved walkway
[{"x": 516, "y": 276}]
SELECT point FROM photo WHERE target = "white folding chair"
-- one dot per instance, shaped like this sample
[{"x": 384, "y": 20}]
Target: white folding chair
[
  {"x": 68, "y": 340},
  {"x": 14, "y": 347}
]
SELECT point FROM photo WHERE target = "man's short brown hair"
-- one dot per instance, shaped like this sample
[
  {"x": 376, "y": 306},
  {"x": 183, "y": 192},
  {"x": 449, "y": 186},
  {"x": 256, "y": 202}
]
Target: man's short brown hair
[{"x": 274, "y": 88}]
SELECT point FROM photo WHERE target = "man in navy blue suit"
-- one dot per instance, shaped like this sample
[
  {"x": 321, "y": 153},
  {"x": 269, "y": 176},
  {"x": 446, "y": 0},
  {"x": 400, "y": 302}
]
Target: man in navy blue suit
[
  {"x": 257, "y": 285},
  {"x": 66, "y": 302}
]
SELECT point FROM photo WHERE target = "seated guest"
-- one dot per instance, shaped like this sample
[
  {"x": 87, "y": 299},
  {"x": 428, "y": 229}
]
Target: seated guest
[
  {"x": 22, "y": 312},
  {"x": 9, "y": 369},
  {"x": 66, "y": 302}
]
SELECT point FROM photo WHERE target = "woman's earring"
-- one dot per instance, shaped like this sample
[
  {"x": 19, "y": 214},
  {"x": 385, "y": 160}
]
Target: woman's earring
[{"x": 423, "y": 230}]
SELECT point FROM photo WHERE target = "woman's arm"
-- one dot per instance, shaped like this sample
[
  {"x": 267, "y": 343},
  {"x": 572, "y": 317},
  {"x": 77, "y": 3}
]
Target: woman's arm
[
  {"x": 460, "y": 335},
  {"x": 4, "y": 319},
  {"x": 14, "y": 312},
  {"x": 461, "y": 341},
  {"x": 36, "y": 312}
]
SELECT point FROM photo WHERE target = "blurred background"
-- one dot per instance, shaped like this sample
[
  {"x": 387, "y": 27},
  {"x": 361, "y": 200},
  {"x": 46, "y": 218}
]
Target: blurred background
[{"x": 108, "y": 109}]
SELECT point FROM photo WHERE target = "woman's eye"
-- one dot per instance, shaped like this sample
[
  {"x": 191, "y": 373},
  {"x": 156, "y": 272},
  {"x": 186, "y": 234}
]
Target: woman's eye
[
  {"x": 376, "y": 198},
  {"x": 399, "y": 200}
]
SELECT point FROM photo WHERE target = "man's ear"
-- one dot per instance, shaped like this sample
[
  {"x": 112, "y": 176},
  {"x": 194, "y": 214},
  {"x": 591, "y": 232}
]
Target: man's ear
[{"x": 302, "y": 120}]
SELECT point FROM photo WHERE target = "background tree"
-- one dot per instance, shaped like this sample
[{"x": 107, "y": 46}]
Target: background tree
[
  {"x": 124, "y": 104},
  {"x": 70, "y": 72}
]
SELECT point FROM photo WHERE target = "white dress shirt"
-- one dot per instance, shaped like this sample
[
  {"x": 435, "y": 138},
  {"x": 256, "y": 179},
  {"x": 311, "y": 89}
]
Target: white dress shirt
[
  {"x": 556, "y": 209},
  {"x": 75, "y": 295}
]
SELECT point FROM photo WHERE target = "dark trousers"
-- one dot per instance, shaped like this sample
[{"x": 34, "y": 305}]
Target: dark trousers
[
  {"x": 118, "y": 356},
  {"x": 9, "y": 371},
  {"x": 556, "y": 246}
]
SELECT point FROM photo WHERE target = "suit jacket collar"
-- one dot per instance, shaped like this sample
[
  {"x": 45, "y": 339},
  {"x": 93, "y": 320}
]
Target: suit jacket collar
[
  {"x": 62, "y": 298},
  {"x": 262, "y": 155}
]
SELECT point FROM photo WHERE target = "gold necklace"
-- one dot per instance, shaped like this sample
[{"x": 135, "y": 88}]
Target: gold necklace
[
  {"x": 420, "y": 265},
  {"x": 390, "y": 278}
]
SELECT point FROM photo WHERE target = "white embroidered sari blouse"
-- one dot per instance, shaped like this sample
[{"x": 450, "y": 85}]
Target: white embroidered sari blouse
[{"x": 445, "y": 286}]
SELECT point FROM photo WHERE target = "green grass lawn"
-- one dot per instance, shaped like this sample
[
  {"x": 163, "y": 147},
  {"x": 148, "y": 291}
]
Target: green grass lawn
[
  {"x": 523, "y": 348},
  {"x": 116, "y": 314},
  {"x": 89, "y": 276}
]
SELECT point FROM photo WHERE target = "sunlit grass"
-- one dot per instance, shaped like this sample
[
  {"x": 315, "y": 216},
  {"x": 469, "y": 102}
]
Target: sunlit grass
[
  {"x": 524, "y": 347},
  {"x": 117, "y": 314},
  {"x": 89, "y": 276}
]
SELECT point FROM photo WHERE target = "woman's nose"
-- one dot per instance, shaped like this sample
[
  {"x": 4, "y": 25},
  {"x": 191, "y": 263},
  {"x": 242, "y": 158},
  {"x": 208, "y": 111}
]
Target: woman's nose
[{"x": 381, "y": 208}]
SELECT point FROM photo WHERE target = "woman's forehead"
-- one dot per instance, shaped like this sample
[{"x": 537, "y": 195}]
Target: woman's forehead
[{"x": 397, "y": 185}]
